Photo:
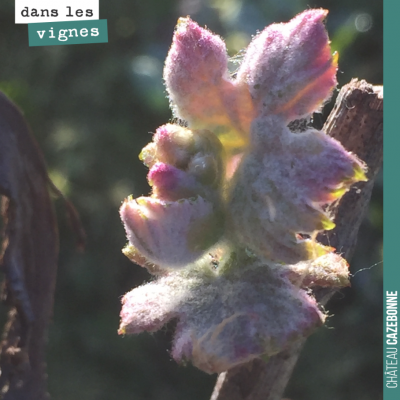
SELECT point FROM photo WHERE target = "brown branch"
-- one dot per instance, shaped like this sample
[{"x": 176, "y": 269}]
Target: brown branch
[
  {"x": 357, "y": 122},
  {"x": 28, "y": 257}
]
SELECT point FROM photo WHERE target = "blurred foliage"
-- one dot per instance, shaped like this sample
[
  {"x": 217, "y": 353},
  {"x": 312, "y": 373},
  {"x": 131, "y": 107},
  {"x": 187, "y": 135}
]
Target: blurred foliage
[{"x": 92, "y": 108}]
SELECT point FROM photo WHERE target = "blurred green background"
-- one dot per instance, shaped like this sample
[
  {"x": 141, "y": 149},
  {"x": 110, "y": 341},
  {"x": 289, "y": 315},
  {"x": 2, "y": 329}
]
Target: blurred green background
[{"x": 92, "y": 108}]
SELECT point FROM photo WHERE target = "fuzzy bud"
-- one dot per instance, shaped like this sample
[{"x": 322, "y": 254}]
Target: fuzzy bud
[
  {"x": 238, "y": 198},
  {"x": 289, "y": 67},
  {"x": 224, "y": 320},
  {"x": 279, "y": 187},
  {"x": 184, "y": 163},
  {"x": 171, "y": 234},
  {"x": 174, "y": 145},
  {"x": 194, "y": 69},
  {"x": 170, "y": 183},
  {"x": 199, "y": 86}
]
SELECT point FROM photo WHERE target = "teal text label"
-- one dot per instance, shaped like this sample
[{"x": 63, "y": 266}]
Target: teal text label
[{"x": 70, "y": 32}]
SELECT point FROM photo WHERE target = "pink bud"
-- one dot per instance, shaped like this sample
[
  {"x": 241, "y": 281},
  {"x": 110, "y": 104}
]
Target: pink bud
[
  {"x": 194, "y": 69},
  {"x": 171, "y": 234},
  {"x": 224, "y": 319},
  {"x": 280, "y": 186},
  {"x": 196, "y": 57},
  {"x": 174, "y": 144},
  {"x": 322, "y": 169},
  {"x": 289, "y": 67},
  {"x": 184, "y": 163},
  {"x": 238, "y": 320},
  {"x": 235, "y": 252},
  {"x": 177, "y": 145},
  {"x": 170, "y": 183},
  {"x": 147, "y": 308},
  {"x": 199, "y": 86}
]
